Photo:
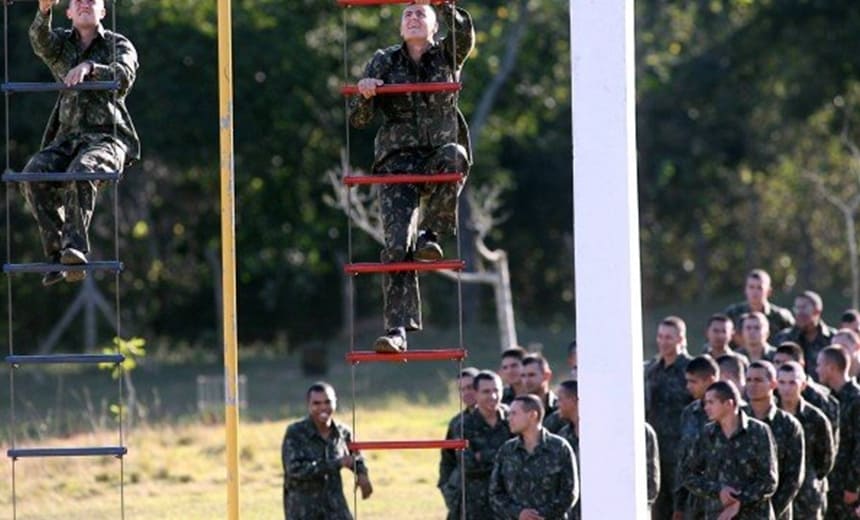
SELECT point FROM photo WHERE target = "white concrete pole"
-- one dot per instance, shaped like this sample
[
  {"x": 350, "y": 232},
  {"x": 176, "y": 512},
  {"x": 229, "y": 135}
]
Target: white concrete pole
[{"x": 608, "y": 291}]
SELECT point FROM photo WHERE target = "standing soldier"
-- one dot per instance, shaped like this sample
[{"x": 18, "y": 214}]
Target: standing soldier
[
  {"x": 810, "y": 331},
  {"x": 787, "y": 433},
  {"x": 817, "y": 394},
  {"x": 844, "y": 480},
  {"x": 534, "y": 477},
  {"x": 487, "y": 430},
  {"x": 537, "y": 375},
  {"x": 755, "y": 331},
  {"x": 758, "y": 290},
  {"x": 665, "y": 399},
  {"x": 719, "y": 332},
  {"x": 511, "y": 371},
  {"x": 811, "y": 500},
  {"x": 313, "y": 453},
  {"x": 80, "y": 134},
  {"x": 420, "y": 133},
  {"x": 732, "y": 467},
  {"x": 448, "y": 459}
]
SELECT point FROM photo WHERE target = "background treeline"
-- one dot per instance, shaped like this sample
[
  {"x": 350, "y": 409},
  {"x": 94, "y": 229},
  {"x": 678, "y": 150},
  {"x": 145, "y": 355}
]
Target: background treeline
[{"x": 747, "y": 117}]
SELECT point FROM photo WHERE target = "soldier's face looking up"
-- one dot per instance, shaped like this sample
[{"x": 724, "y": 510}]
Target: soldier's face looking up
[
  {"x": 511, "y": 370},
  {"x": 489, "y": 395},
  {"x": 669, "y": 340},
  {"x": 533, "y": 378},
  {"x": 790, "y": 385},
  {"x": 321, "y": 406},
  {"x": 755, "y": 331},
  {"x": 756, "y": 291},
  {"x": 467, "y": 391},
  {"x": 719, "y": 332},
  {"x": 519, "y": 419},
  {"x": 759, "y": 385},
  {"x": 86, "y": 14},
  {"x": 697, "y": 385},
  {"x": 716, "y": 409},
  {"x": 418, "y": 23}
]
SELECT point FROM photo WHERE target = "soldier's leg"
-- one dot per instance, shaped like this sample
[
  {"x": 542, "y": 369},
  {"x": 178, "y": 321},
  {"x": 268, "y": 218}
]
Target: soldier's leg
[
  {"x": 402, "y": 304},
  {"x": 439, "y": 212},
  {"x": 45, "y": 199}
]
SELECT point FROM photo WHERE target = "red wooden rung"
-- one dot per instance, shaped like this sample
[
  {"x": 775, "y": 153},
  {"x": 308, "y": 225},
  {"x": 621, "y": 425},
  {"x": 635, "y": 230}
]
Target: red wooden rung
[
  {"x": 395, "y": 267},
  {"x": 348, "y": 3},
  {"x": 406, "y": 88},
  {"x": 453, "y": 354},
  {"x": 454, "y": 444},
  {"x": 402, "y": 178}
]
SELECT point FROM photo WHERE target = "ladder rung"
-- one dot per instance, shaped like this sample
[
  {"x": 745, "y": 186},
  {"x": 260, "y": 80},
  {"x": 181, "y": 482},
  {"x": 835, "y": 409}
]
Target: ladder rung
[
  {"x": 19, "y": 453},
  {"x": 452, "y": 354},
  {"x": 68, "y": 359},
  {"x": 402, "y": 178},
  {"x": 60, "y": 176},
  {"x": 34, "y": 86},
  {"x": 395, "y": 267},
  {"x": 406, "y": 88},
  {"x": 454, "y": 444},
  {"x": 45, "y": 267}
]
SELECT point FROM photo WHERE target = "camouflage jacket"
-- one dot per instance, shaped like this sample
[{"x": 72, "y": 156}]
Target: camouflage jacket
[
  {"x": 820, "y": 452},
  {"x": 822, "y": 398},
  {"x": 778, "y": 318},
  {"x": 652, "y": 463},
  {"x": 508, "y": 395},
  {"x": 311, "y": 463},
  {"x": 846, "y": 470},
  {"x": 791, "y": 458},
  {"x": 545, "y": 480},
  {"x": 665, "y": 398},
  {"x": 810, "y": 348},
  {"x": 79, "y": 112},
  {"x": 693, "y": 421},
  {"x": 746, "y": 461},
  {"x": 550, "y": 406},
  {"x": 768, "y": 352},
  {"x": 418, "y": 121},
  {"x": 484, "y": 442},
  {"x": 448, "y": 458},
  {"x": 554, "y": 422}
]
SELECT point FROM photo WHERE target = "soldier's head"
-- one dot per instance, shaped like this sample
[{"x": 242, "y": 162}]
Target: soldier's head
[
  {"x": 568, "y": 399},
  {"x": 671, "y": 336},
  {"x": 418, "y": 23},
  {"x": 755, "y": 328},
  {"x": 757, "y": 288},
  {"x": 536, "y": 374},
  {"x": 488, "y": 386},
  {"x": 719, "y": 330},
  {"x": 788, "y": 351},
  {"x": 790, "y": 380},
  {"x": 721, "y": 400},
  {"x": 322, "y": 402},
  {"x": 850, "y": 320},
  {"x": 807, "y": 309},
  {"x": 701, "y": 373},
  {"x": 526, "y": 413},
  {"x": 761, "y": 381},
  {"x": 466, "y": 385},
  {"x": 850, "y": 341},
  {"x": 86, "y": 14},
  {"x": 832, "y": 366},
  {"x": 511, "y": 368},
  {"x": 733, "y": 368}
]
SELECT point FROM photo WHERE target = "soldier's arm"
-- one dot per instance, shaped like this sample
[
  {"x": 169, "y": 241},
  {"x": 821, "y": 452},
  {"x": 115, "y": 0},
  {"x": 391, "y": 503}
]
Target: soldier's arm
[
  {"x": 568, "y": 486},
  {"x": 824, "y": 451},
  {"x": 852, "y": 481},
  {"x": 762, "y": 455},
  {"x": 447, "y": 459},
  {"x": 360, "y": 465},
  {"x": 460, "y": 41},
  {"x": 300, "y": 464},
  {"x": 46, "y": 43},
  {"x": 503, "y": 506},
  {"x": 791, "y": 472},
  {"x": 652, "y": 454},
  {"x": 124, "y": 69},
  {"x": 693, "y": 475},
  {"x": 362, "y": 110}
]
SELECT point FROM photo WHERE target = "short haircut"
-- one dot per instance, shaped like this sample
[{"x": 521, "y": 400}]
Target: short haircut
[
  {"x": 837, "y": 355},
  {"x": 486, "y": 375},
  {"x": 792, "y": 349},
  {"x": 725, "y": 390},
  {"x": 756, "y": 315},
  {"x": 541, "y": 362},
  {"x": 814, "y": 298},
  {"x": 514, "y": 352},
  {"x": 676, "y": 323},
  {"x": 703, "y": 366},
  {"x": 719, "y": 317},
  {"x": 850, "y": 316},
  {"x": 531, "y": 403},
  {"x": 765, "y": 365},
  {"x": 468, "y": 372},
  {"x": 850, "y": 334},
  {"x": 760, "y": 275},
  {"x": 319, "y": 386},
  {"x": 571, "y": 347},
  {"x": 793, "y": 367},
  {"x": 733, "y": 365},
  {"x": 571, "y": 386}
]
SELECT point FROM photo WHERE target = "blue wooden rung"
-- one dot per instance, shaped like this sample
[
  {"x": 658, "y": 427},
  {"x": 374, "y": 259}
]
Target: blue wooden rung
[
  {"x": 34, "y": 86},
  {"x": 60, "y": 176},
  {"x": 44, "y": 267},
  {"x": 65, "y": 359},
  {"x": 20, "y": 453}
]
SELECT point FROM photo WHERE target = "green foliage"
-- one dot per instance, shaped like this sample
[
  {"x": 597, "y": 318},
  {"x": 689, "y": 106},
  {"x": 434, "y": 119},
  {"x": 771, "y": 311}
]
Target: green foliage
[{"x": 132, "y": 350}]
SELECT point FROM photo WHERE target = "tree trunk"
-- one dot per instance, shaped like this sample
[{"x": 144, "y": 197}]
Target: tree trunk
[{"x": 851, "y": 240}]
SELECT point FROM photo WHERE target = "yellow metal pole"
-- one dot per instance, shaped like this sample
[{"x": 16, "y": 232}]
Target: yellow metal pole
[{"x": 228, "y": 255}]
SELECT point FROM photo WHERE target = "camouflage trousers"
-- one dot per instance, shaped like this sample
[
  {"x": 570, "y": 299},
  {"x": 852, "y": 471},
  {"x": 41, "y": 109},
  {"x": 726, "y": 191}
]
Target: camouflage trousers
[
  {"x": 477, "y": 498},
  {"x": 408, "y": 208},
  {"x": 315, "y": 506},
  {"x": 811, "y": 501},
  {"x": 64, "y": 210}
]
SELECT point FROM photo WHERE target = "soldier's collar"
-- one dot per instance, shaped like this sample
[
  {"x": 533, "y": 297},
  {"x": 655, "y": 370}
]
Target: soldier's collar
[{"x": 100, "y": 31}]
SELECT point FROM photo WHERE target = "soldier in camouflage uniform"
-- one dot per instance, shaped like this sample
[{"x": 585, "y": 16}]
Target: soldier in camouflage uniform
[
  {"x": 537, "y": 375},
  {"x": 448, "y": 459},
  {"x": 732, "y": 467},
  {"x": 757, "y": 290},
  {"x": 787, "y": 433},
  {"x": 811, "y": 500},
  {"x": 80, "y": 134},
  {"x": 511, "y": 370},
  {"x": 755, "y": 331},
  {"x": 420, "y": 133},
  {"x": 534, "y": 476},
  {"x": 313, "y": 452},
  {"x": 817, "y": 394},
  {"x": 665, "y": 399},
  {"x": 844, "y": 480},
  {"x": 810, "y": 331}
]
